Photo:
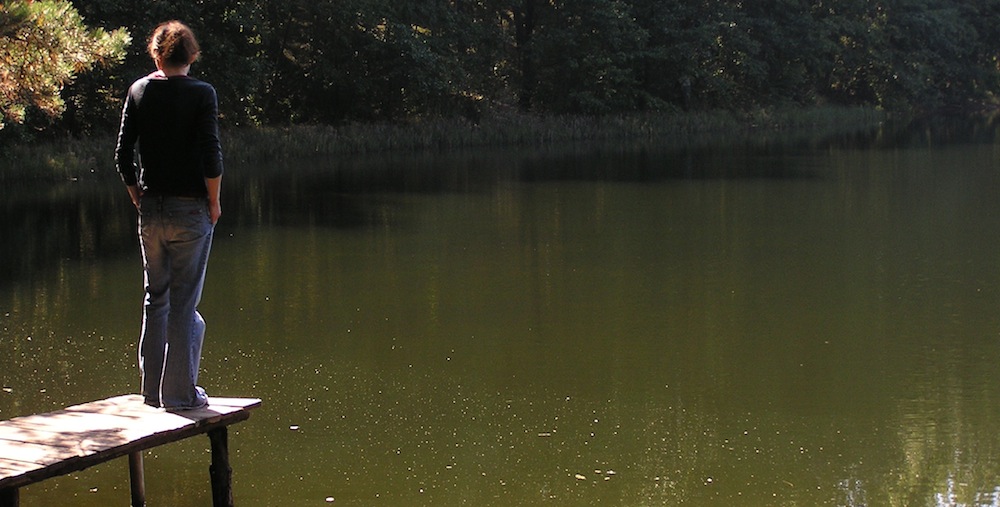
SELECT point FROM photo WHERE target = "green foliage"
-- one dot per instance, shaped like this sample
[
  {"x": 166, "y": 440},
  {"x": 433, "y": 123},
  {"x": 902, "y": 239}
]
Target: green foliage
[
  {"x": 376, "y": 59},
  {"x": 43, "y": 45},
  {"x": 931, "y": 43},
  {"x": 585, "y": 51},
  {"x": 327, "y": 63}
]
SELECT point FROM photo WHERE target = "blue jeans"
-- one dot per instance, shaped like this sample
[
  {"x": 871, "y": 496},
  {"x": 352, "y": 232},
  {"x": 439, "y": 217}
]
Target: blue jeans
[{"x": 176, "y": 236}]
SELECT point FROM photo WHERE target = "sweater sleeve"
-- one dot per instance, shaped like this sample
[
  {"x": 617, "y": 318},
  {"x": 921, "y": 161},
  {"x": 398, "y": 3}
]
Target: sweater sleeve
[
  {"x": 209, "y": 145},
  {"x": 128, "y": 133}
]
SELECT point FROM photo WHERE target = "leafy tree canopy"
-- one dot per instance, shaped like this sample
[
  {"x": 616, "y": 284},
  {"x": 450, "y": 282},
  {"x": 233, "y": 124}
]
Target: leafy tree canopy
[
  {"x": 327, "y": 62},
  {"x": 44, "y": 44}
]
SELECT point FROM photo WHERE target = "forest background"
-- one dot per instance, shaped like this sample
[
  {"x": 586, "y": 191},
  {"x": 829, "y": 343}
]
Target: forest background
[{"x": 65, "y": 66}]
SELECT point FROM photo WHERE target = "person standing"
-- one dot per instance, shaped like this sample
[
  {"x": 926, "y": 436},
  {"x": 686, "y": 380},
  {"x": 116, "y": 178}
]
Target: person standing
[{"x": 174, "y": 183}]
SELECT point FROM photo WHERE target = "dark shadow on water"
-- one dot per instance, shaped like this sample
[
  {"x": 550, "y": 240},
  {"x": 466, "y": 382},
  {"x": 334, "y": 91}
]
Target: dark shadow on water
[
  {"x": 647, "y": 165},
  {"x": 92, "y": 219},
  {"x": 43, "y": 226}
]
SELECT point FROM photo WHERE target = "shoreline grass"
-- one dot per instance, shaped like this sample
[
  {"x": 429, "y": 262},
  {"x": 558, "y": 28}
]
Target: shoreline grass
[
  {"x": 77, "y": 158},
  {"x": 528, "y": 131}
]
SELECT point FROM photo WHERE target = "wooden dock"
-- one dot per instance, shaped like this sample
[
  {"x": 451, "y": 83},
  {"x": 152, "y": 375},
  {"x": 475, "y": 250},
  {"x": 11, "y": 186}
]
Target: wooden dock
[{"x": 41, "y": 446}]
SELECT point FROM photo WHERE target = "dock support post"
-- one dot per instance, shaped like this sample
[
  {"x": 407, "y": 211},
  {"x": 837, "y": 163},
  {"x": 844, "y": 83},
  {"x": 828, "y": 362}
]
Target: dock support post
[
  {"x": 9, "y": 497},
  {"x": 222, "y": 474},
  {"x": 137, "y": 479}
]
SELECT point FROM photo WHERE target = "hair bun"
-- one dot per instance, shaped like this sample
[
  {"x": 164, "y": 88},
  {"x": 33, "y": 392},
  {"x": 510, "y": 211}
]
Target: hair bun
[{"x": 173, "y": 42}]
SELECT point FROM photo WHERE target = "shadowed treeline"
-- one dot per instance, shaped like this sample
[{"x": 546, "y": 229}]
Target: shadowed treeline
[{"x": 308, "y": 62}]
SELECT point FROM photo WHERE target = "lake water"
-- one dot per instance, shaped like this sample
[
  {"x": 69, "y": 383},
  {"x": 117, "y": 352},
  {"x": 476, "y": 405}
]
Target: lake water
[{"x": 761, "y": 322}]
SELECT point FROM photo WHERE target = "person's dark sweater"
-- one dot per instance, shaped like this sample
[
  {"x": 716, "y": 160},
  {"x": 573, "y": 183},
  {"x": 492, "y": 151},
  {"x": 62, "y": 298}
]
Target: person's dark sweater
[{"x": 165, "y": 115}]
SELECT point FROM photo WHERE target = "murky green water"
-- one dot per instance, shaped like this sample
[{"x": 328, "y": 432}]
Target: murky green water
[{"x": 808, "y": 323}]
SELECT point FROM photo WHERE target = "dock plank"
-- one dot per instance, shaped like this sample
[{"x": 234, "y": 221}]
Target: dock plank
[{"x": 36, "y": 447}]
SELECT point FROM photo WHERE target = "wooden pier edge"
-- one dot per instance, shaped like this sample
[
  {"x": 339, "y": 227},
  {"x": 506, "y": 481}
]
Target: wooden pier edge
[{"x": 82, "y": 436}]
